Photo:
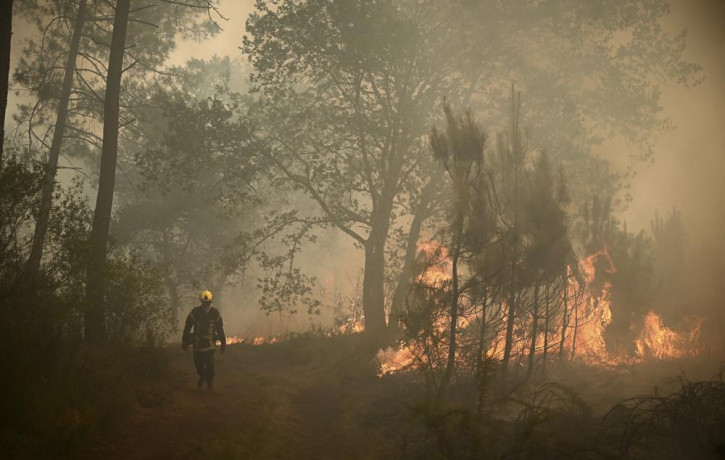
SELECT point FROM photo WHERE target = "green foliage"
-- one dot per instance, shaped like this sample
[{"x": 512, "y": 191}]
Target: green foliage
[
  {"x": 350, "y": 137},
  {"x": 55, "y": 393},
  {"x": 196, "y": 207},
  {"x": 20, "y": 188},
  {"x": 137, "y": 309},
  {"x": 152, "y": 32}
]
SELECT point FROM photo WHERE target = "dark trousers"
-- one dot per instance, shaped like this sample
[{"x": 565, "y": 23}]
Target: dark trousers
[{"x": 204, "y": 362}]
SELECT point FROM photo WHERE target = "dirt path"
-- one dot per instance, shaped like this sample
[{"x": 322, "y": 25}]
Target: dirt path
[{"x": 263, "y": 406}]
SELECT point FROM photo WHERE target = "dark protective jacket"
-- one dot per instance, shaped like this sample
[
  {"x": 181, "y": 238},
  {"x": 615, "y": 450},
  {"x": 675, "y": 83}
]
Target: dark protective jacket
[{"x": 207, "y": 327}]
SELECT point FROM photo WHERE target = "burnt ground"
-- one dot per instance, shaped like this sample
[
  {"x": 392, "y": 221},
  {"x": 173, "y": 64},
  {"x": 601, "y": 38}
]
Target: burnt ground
[{"x": 314, "y": 399}]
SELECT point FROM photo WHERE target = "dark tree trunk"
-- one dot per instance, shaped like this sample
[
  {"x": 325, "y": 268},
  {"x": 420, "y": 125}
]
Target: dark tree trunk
[
  {"x": 564, "y": 317},
  {"x": 6, "y": 33},
  {"x": 95, "y": 326},
  {"x": 373, "y": 296},
  {"x": 516, "y": 159},
  {"x": 450, "y": 365},
  {"x": 534, "y": 331},
  {"x": 511, "y": 317},
  {"x": 575, "y": 312},
  {"x": 404, "y": 282},
  {"x": 545, "y": 353},
  {"x": 397, "y": 305},
  {"x": 481, "y": 354},
  {"x": 46, "y": 203}
]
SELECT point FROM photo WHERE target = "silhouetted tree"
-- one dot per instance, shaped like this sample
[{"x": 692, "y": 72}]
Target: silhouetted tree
[
  {"x": 350, "y": 138},
  {"x": 460, "y": 150},
  {"x": 6, "y": 33},
  {"x": 95, "y": 327},
  {"x": 41, "y": 221}
]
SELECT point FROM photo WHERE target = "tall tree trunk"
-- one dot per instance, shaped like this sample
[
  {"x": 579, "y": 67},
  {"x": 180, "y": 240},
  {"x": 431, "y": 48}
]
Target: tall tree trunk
[
  {"x": 95, "y": 327},
  {"x": 564, "y": 317},
  {"x": 510, "y": 318},
  {"x": 46, "y": 203},
  {"x": 545, "y": 353},
  {"x": 534, "y": 331},
  {"x": 517, "y": 158},
  {"x": 451, "y": 363},
  {"x": 481, "y": 353},
  {"x": 406, "y": 274},
  {"x": 576, "y": 328},
  {"x": 373, "y": 297},
  {"x": 411, "y": 250},
  {"x": 6, "y": 33}
]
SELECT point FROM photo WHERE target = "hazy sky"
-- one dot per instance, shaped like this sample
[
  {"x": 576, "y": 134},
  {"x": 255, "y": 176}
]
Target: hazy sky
[{"x": 689, "y": 164}]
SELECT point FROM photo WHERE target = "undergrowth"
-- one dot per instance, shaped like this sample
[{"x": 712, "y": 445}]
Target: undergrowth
[
  {"x": 58, "y": 394},
  {"x": 687, "y": 424}
]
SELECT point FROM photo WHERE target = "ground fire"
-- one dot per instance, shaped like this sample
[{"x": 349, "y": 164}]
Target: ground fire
[{"x": 588, "y": 317}]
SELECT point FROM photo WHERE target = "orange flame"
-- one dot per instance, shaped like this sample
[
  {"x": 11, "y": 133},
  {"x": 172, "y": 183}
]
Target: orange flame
[
  {"x": 440, "y": 269},
  {"x": 658, "y": 341},
  {"x": 233, "y": 340},
  {"x": 589, "y": 316}
]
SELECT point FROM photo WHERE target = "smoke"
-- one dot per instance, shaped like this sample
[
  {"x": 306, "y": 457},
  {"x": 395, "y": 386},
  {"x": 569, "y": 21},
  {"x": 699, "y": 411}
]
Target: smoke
[{"x": 686, "y": 172}]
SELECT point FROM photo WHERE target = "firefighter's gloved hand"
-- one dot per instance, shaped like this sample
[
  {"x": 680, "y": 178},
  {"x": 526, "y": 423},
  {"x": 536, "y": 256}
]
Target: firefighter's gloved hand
[{"x": 185, "y": 347}]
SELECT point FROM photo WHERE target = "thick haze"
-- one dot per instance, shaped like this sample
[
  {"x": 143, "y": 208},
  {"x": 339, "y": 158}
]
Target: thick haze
[
  {"x": 689, "y": 161},
  {"x": 688, "y": 164}
]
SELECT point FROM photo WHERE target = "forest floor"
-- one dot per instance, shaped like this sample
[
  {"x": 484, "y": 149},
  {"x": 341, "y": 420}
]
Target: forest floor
[
  {"x": 268, "y": 401},
  {"x": 313, "y": 399}
]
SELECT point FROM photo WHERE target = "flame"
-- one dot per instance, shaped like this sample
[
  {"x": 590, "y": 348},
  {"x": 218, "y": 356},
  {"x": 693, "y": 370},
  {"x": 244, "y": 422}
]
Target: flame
[
  {"x": 256, "y": 341},
  {"x": 658, "y": 341},
  {"x": 440, "y": 270},
  {"x": 392, "y": 360},
  {"x": 593, "y": 315},
  {"x": 351, "y": 327},
  {"x": 589, "y": 314}
]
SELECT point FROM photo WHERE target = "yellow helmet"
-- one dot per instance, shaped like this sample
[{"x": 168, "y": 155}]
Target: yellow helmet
[{"x": 205, "y": 296}]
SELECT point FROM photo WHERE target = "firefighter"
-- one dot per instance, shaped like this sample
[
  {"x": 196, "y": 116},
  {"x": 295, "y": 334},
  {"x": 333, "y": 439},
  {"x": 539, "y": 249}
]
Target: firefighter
[{"x": 208, "y": 327}]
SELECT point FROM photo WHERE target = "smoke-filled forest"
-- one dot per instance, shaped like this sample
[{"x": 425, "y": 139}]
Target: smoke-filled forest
[{"x": 362, "y": 229}]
